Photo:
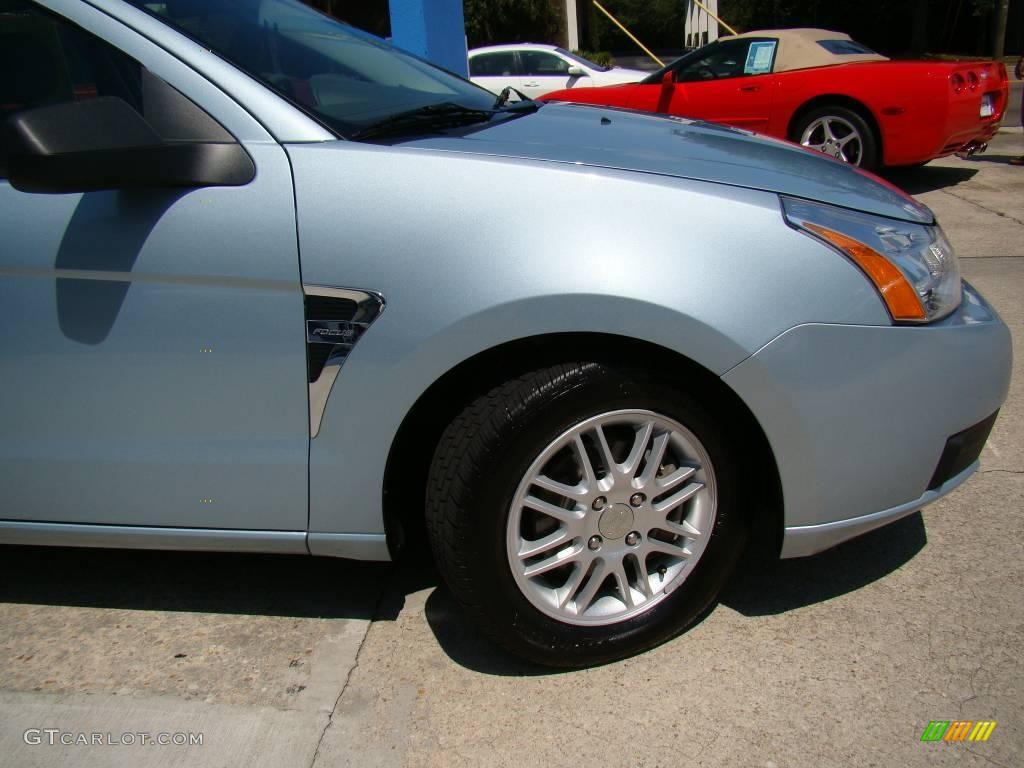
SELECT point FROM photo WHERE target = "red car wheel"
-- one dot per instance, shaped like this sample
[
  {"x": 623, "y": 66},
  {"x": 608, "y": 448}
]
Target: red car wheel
[{"x": 840, "y": 133}]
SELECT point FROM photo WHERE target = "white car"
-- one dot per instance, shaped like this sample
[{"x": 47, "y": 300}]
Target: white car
[{"x": 537, "y": 69}]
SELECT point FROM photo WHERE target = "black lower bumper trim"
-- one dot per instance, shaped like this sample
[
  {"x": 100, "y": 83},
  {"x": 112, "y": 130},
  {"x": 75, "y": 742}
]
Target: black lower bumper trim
[{"x": 961, "y": 450}]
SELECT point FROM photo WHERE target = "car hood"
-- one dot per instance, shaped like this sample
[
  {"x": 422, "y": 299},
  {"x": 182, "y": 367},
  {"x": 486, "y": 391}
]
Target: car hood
[{"x": 607, "y": 137}]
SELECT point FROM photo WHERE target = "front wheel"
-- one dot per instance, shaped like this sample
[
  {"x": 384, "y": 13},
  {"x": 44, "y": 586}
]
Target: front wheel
[
  {"x": 840, "y": 133},
  {"x": 584, "y": 513}
]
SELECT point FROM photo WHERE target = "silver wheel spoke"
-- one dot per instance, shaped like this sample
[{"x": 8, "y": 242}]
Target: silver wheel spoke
[
  {"x": 539, "y": 546},
  {"x": 562, "y": 515},
  {"x": 582, "y": 522},
  {"x": 670, "y": 481},
  {"x": 568, "y": 590},
  {"x": 589, "y": 476},
  {"x": 556, "y": 560},
  {"x": 606, "y": 451},
  {"x": 680, "y": 529},
  {"x": 594, "y": 581},
  {"x": 645, "y": 579},
  {"x": 667, "y": 505},
  {"x": 657, "y": 456},
  {"x": 666, "y": 548},
  {"x": 622, "y": 581},
  {"x": 560, "y": 489},
  {"x": 636, "y": 453}
]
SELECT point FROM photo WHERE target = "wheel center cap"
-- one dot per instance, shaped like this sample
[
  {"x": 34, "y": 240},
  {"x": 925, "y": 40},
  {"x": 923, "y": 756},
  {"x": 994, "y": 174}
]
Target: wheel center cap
[{"x": 616, "y": 521}]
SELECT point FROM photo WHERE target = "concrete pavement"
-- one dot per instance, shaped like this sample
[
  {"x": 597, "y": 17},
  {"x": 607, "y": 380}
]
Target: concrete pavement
[
  {"x": 1012, "y": 117},
  {"x": 250, "y": 652},
  {"x": 837, "y": 660}
]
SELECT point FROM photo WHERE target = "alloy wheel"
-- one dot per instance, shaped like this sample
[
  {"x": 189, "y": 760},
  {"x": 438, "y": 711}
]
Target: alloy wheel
[
  {"x": 611, "y": 517},
  {"x": 836, "y": 137}
]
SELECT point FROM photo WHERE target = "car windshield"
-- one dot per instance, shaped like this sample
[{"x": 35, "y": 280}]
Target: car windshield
[
  {"x": 344, "y": 77},
  {"x": 581, "y": 60},
  {"x": 673, "y": 66}
]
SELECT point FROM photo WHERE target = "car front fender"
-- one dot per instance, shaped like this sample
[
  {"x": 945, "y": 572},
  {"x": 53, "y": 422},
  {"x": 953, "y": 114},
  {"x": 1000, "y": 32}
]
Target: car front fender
[{"x": 472, "y": 252}]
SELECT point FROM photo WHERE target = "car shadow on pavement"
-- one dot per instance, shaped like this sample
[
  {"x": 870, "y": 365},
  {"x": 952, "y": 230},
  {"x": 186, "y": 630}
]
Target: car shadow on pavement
[
  {"x": 760, "y": 587},
  {"x": 928, "y": 178},
  {"x": 314, "y": 587},
  {"x": 763, "y": 587},
  {"x": 203, "y": 582},
  {"x": 467, "y": 647}
]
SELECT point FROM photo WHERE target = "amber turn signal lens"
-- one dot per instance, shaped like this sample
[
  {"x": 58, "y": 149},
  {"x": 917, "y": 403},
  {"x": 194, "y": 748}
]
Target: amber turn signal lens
[{"x": 896, "y": 291}]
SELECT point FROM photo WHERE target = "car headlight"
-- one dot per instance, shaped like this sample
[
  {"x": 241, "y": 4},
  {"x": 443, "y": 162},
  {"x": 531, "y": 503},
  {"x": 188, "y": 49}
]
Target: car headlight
[{"x": 913, "y": 266}]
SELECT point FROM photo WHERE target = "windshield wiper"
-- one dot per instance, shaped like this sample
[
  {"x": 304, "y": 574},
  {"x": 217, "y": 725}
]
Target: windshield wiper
[
  {"x": 433, "y": 116},
  {"x": 524, "y": 104}
]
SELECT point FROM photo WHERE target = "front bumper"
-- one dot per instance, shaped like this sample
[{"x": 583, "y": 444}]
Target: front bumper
[{"x": 858, "y": 417}]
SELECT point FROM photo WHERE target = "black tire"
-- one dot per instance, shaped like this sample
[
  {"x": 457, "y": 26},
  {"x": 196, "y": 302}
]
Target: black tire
[
  {"x": 479, "y": 463},
  {"x": 869, "y": 157}
]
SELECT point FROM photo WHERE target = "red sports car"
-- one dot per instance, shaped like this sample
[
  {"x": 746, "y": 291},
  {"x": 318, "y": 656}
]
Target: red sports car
[{"x": 827, "y": 92}]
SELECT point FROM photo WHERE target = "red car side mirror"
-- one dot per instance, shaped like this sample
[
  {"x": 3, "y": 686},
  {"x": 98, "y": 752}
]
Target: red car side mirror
[{"x": 668, "y": 86}]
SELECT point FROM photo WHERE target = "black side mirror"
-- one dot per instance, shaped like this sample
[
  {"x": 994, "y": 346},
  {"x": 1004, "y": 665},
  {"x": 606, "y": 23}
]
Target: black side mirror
[{"x": 103, "y": 143}]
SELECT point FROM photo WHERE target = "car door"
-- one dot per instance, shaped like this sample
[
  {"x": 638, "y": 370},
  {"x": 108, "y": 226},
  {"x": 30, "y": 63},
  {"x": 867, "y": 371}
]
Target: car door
[
  {"x": 152, "y": 359},
  {"x": 728, "y": 82},
  {"x": 495, "y": 70},
  {"x": 544, "y": 71}
]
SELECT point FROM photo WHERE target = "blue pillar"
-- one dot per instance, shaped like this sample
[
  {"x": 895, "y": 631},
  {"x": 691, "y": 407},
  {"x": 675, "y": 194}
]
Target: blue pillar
[{"x": 433, "y": 29}]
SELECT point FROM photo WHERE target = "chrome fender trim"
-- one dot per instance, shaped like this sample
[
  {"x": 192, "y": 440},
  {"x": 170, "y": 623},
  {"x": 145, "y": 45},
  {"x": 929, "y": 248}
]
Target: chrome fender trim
[{"x": 341, "y": 333}]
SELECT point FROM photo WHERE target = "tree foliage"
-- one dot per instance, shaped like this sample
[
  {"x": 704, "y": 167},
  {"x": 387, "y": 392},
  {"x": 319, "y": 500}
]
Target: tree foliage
[
  {"x": 510, "y": 21},
  {"x": 657, "y": 23},
  {"x": 893, "y": 27},
  {"x": 889, "y": 26}
]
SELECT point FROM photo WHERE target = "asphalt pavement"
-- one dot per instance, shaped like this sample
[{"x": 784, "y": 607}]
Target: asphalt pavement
[{"x": 841, "y": 659}]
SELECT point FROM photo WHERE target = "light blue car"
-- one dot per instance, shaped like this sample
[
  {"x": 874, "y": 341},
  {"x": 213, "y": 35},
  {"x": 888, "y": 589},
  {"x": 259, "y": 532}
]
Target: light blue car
[{"x": 268, "y": 284}]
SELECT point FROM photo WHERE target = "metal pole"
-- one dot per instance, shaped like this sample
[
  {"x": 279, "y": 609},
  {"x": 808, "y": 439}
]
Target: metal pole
[
  {"x": 732, "y": 31},
  {"x": 572, "y": 25},
  {"x": 629, "y": 34}
]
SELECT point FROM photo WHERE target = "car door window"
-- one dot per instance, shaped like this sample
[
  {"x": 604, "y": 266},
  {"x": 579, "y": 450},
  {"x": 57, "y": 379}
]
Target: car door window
[
  {"x": 45, "y": 60},
  {"x": 731, "y": 58},
  {"x": 542, "y": 64},
  {"x": 501, "y": 64}
]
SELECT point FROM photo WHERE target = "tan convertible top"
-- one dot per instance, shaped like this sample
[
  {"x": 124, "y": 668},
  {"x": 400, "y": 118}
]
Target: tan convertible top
[{"x": 800, "y": 49}]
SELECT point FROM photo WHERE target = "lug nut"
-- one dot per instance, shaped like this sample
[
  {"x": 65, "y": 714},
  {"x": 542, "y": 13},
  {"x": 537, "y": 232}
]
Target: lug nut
[
  {"x": 632, "y": 538},
  {"x": 595, "y": 542},
  {"x": 600, "y": 502},
  {"x": 637, "y": 499}
]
